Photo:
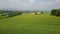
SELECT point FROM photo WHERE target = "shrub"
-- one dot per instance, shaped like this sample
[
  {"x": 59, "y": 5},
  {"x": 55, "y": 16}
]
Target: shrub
[
  {"x": 20, "y": 13},
  {"x": 41, "y": 12},
  {"x": 35, "y": 13},
  {"x": 58, "y": 13},
  {"x": 53, "y": 12}
]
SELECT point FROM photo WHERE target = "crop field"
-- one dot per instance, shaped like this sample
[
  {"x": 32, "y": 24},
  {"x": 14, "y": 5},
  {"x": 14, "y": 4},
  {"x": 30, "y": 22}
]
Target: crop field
[{"x": 30, "y": 24}]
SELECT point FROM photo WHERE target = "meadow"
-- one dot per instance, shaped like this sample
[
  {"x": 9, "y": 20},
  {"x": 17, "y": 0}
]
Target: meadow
[{"x": 30, "y": 24}]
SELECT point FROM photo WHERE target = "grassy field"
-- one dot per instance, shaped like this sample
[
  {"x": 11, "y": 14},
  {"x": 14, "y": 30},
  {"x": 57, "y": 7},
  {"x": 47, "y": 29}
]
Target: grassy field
[{"x": 30, "y": 24}]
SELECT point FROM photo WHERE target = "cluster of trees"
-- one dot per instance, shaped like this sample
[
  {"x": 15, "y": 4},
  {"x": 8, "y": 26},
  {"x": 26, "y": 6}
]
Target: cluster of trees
[
  {"x": 55, "y": 12},
  {"x": 8, "y": 14},
  {"x": 40, "y": 13}
]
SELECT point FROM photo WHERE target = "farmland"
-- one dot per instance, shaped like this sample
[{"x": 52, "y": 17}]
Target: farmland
[{"x": 30, "y": 24}]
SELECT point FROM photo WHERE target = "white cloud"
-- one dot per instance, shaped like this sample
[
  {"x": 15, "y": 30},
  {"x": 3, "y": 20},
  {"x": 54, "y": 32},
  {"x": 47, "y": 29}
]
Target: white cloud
[
  {"x": 46, "y": 3},
  {"x": 18, "y": 4},
  {"x": 31, "y": 1},
  {"x": 57, "y": 0}
]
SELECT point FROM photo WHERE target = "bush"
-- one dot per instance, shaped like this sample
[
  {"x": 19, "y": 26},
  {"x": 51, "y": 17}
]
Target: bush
[
  {"x": 41, "y": 12},
  {"x": 35, "y": 13},
  {"x": 20, "y": 13},
  {"x": 58, "y": 13},
  {"x": 55, "y": 12}
]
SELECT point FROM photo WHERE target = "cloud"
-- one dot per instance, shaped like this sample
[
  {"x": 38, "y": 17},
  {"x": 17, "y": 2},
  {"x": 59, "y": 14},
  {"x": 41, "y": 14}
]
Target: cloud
[
  {"x": 20, "y": 4},
  {"x": 32, "y": 1},
  {"x": 48, "y": 5},
  {"x": 57, "y": 0},
  {"x": 29, "y": 5}
]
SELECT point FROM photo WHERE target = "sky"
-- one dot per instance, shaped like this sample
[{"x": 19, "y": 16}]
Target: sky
[{"x": 29, "y": 4}]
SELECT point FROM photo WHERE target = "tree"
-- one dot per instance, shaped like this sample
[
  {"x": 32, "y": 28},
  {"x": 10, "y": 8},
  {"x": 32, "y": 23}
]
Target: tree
[
  {"x": 53, "y": 12},
  {"x": 20, "y": 13},
  {"x": 58, "y": 12},
  {"x": 35, "y": 13},
  {"x": 41, "y": 12}
]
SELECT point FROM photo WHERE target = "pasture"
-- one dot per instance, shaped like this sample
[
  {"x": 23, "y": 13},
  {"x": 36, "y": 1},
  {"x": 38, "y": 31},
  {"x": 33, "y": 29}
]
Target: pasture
[{"x": 30, "y": 24}]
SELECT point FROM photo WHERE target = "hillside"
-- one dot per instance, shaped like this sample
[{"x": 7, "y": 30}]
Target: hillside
[{"x": 30, "y": 24}]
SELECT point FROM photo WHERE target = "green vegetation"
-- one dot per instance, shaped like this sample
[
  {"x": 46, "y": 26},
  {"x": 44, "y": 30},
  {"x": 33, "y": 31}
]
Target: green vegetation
[
  {"x": 58, "y": 12},
  {"x": 41, "y": 12},
  {"x": 7, "y": 14},
  {"x": 30, "y": 24},
  {"x": 55, "y": 12}
]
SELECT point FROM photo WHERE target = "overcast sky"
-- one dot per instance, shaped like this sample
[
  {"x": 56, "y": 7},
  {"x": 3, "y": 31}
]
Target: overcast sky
[{"x": 29, "y": 4}]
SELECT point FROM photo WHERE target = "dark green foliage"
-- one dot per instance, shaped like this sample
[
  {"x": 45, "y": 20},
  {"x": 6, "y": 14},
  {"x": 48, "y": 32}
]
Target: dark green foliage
[
  {"x": 58, "y": 13},
  {"x": 41, "y": 12},
  {"x": 53, "y": 12},
  {"x": 20, "y": 13},
  {"x": 35, "y": 13},
  {"x": 7, "y": 14}
]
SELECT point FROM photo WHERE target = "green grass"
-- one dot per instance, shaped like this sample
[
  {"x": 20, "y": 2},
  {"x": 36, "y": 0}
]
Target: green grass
[{"x": 30, "y": 24}]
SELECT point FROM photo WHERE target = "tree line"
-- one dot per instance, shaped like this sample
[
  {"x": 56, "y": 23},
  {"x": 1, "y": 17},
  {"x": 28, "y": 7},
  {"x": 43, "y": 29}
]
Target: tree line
[
  {"x": 55, "y": 12},
  {"x": 7, "y": 14}
]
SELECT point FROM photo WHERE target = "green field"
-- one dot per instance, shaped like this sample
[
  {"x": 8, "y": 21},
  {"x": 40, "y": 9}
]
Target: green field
[{"x": 30, "y": 24}]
